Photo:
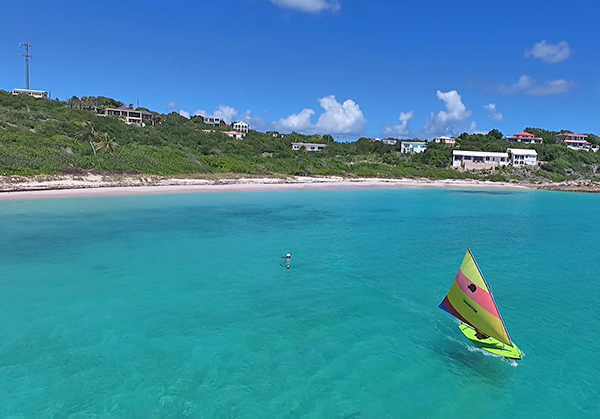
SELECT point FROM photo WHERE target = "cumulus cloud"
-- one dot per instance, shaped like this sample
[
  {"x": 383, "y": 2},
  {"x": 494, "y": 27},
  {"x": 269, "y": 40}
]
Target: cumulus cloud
[
  {"x": 549, "y": 53},
  {"x": 338, "y": 118},
  {"x": 226, "y": 113},
  {"x": 255, "y": 122},
  {"x": 445, "y": 121},
  {"x": 399, "y": 130},
  {"x": 529, "y": 86},
  {"x": 184, "y": 113},
  {"x": 309, "y": 6},
  {"x": 493, "y": 113},
  {"x": 296, "y": 122}
]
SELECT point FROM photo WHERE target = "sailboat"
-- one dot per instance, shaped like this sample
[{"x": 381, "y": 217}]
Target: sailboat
[{"x": 470, "y": 300}]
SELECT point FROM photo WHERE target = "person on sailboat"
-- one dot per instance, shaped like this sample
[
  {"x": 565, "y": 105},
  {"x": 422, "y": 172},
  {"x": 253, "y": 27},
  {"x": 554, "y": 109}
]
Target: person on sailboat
[{"x": 480, "y": 335}]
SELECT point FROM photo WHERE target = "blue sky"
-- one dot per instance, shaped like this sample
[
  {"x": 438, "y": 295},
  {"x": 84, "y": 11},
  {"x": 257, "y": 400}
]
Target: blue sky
[{"x": 341, "y": 67}]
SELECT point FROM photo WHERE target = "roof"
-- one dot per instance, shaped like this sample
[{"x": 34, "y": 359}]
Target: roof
[
  {"x": 29, "y": 90},
  {"x": 313, "y": 144},
  {"x": 524, "y": 151},
  {"x": 524, "y": 134},
  {"x": 570, "y": 134},
  {"x": 478, "y": 153}
]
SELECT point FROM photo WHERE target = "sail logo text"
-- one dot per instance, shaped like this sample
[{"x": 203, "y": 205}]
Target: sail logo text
[{"x": 470, "y": 306}]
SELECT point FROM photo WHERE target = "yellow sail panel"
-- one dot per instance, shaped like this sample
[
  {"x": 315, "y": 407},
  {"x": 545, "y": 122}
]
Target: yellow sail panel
[
  {"x": 476, "y": 315},
  {"x": 470, "y": 269}
]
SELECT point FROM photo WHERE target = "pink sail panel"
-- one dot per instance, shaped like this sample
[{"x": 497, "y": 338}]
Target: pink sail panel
[{"x": 477, "y": 294}]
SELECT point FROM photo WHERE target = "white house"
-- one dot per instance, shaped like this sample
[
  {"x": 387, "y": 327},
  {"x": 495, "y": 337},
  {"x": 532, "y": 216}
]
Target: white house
[
  {"x": 525, "y": 138},
  {"x": 308, "y": 146},
  {"x": 32, "y": 93},
  {"x": 235, "y": 134},
  {"x": 389, "y": 141},
  {"x": 413, "y": 147},
  {"x": 240, "y": 126},
  {"x": 522, "y": 157},
  {"x": 478, "y": 159},
  {"x": 574, "y": 141},
  {"x": 449, "y": 141},
  {"x": 214, "y": 121}
]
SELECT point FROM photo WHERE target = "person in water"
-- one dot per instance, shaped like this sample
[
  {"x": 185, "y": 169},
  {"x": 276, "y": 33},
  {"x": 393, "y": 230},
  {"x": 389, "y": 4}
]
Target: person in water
[
  {"x": 286, "y": 261},
  {"x": 480, "y": 335}
]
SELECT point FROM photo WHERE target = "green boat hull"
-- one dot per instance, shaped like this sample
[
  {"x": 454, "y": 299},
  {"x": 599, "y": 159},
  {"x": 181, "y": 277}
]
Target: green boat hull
[{"x": 491, "y": 345}]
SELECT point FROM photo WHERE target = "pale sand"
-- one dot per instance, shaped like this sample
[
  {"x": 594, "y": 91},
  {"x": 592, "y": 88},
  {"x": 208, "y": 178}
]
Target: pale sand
[{"x": 94, "y": 186}]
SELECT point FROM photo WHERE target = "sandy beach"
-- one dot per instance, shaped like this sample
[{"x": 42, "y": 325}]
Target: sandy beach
[{"x": 18, "y": 188}]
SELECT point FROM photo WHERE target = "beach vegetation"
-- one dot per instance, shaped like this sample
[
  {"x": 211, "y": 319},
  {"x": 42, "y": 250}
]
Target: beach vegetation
[{"x": 51, "y": 137}]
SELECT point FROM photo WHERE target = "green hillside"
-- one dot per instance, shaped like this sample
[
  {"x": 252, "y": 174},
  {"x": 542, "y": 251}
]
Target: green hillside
[{"x": 53, "y": 137}]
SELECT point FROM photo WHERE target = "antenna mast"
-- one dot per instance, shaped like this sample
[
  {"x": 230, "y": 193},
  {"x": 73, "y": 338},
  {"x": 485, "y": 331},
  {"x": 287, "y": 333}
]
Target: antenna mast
[{"x": 27, "y": 45}]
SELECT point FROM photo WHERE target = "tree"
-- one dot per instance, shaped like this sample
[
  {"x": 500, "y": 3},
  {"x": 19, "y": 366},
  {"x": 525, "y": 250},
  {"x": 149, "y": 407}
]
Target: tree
[
  {"x": 106, "y": 142},
  {"x": 495, "y": 134},
  {"x": 88, "y": 134}
]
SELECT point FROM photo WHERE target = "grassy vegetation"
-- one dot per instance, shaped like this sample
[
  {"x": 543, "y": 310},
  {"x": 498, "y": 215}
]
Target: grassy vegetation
[{"x": 54, "y": 137}]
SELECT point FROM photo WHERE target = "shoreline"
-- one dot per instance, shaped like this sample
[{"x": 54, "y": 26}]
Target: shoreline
[{"x": 21, "y": 188}]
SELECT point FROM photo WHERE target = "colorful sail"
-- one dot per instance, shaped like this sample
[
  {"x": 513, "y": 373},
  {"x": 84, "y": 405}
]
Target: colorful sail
[{"x": 470, "y": 300}]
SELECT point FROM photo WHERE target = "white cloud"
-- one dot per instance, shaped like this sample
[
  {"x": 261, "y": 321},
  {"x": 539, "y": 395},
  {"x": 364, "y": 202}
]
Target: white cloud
[
  {"x": 399, "y": 130},
  {"x": 529, "y": 86},
  {"x": 296, "y": 122},
  {"x": 184, "y": 113},
  {"x": 444, "y": 122},
  {"x": 309, "y": 6},
  {"x": 171, "y": 106},
  {"x": 338, "y": 118},
  {"x": 493, "y": 113},
  {"x": 226, "y": 113},
  {"x": 549, "y": 53},
  {"x": 255, "y": 122}
]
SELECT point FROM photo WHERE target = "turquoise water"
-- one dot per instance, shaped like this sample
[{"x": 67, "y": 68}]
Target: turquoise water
[{"x": 175, "y": 306}]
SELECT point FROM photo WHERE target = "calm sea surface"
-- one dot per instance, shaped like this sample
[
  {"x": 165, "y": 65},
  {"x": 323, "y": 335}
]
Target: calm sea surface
[{"x": 176, "y": 306}]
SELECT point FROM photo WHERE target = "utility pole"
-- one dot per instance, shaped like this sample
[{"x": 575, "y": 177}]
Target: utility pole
[{"x": 27, "y": 45}]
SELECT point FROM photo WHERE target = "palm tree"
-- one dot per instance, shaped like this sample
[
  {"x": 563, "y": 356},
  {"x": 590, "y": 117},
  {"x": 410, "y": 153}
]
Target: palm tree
[
  {"x": 88, "y": 134},
  {"x": 106, "y": 142}
]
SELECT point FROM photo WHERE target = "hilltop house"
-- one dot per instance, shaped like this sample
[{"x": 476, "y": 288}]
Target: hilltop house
[
  {"x": 130, "y": 115},
  {"x": 33, "y": 93},
  {"x": 213, "y": 121},
  {"x": 389, "y": 141},
  {"x": 522, "y": 156},
  {"x": 525, "y": 138},
  {"x": 449, "y": 141},
  {"x": 478, "y": 159},
  {"x": 413, "y": 147},
  {"x": 574, "y": 141},
  {"x": 235, "y": 134},
  {"x": 308, "y": 146},
  {"x": 240, "y": 126}
]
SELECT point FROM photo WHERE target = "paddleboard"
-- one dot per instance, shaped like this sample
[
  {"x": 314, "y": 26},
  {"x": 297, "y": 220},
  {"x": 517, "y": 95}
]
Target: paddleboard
[{"x": 490, "y": 344}]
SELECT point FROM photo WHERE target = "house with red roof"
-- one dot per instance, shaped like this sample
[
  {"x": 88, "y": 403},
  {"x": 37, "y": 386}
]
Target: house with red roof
[
  {"x": 525, "y": 138},
  {"x": 575, "y": 141}
]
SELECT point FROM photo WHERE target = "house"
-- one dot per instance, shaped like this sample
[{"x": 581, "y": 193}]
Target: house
[
  {"x": 574, "y": 141},
  {"x": 130, "y": 115},
  {"x": 235, "y": 134},
  {"x": 240, "y": 126},
  {"x": 522, "y": 157},
  {"x": 309, "y": 146},
  {"x": 449, "y": 141},
  {"x": 413, "y": 147},
  {"x": 33, "y": 93},
  {"x": 525, "y": 138},
  {"x": 478, "y": 159},
  {"x": 389, "y": 141},
  {"x": 213, "y": 121}
]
